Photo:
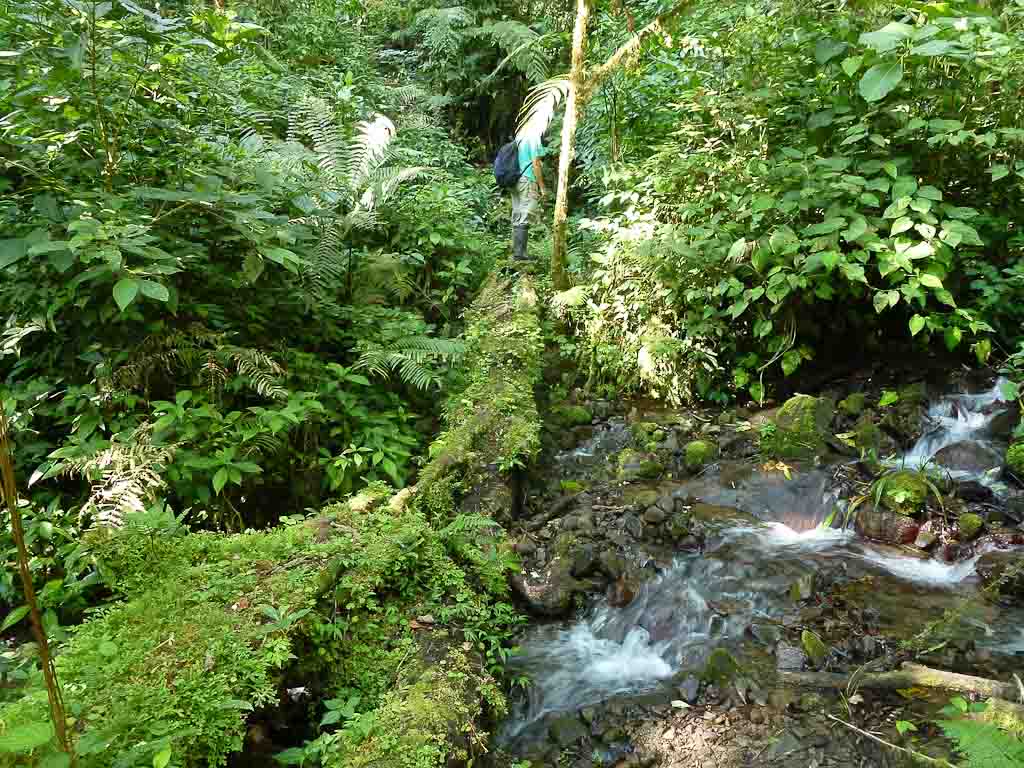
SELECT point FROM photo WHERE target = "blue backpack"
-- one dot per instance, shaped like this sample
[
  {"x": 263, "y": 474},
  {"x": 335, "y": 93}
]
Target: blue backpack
[{"x": 506, "y": 166}]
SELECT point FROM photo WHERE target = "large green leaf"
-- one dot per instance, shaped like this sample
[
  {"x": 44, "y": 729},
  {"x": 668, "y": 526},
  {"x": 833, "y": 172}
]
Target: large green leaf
[
  {"x": 12, "y": 250},
  {"x": 888, "y": 37},
  {"x": 12, "y": 618},
  {"x": 154, "y": 290},
  {"x": 879, "y": 81},
  {"x": 125, "y": 292},
  {"x": 827, "y": 49},
  {"x": 26, "y": 737}
]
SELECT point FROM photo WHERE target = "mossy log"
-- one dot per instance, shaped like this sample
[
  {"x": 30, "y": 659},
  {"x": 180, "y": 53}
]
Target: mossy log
[{"x": 908, "y": 676}]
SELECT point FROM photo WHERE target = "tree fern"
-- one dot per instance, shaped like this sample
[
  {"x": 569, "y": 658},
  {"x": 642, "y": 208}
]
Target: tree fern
[{"x": 523, "y": 48}]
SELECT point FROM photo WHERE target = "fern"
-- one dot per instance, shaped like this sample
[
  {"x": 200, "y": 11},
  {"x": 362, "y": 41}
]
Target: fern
[
  {"x": 523, "y": 47},
  {"x": 412, "y": 359},
  {"x": 443, "y": 29},
  {"x": 983, "y": 745}
]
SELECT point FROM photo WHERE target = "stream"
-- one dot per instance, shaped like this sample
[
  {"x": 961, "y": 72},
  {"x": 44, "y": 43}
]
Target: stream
[{"x": 764, "y": 533}]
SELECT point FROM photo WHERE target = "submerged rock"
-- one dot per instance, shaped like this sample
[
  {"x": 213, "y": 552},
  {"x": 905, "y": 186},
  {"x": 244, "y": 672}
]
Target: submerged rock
[
  {"x": 801, "y": 428},
  {"x": 968, "y": 456}
]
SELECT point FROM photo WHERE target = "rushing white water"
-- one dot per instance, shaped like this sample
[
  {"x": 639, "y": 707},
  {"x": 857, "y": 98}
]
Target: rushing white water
[
  {"x": 701, "y": 602},
  {"x": 742, "y": 579},
  {"x": 956, "y": 418}
]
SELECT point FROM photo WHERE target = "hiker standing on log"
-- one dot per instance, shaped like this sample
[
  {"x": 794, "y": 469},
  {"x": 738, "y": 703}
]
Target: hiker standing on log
[{"x": 518, "y": 168}]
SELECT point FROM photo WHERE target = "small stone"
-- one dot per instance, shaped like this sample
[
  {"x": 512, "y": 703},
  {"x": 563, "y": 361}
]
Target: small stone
[
  {"x": 525, "y": 547},
  {"x": 633, "y": 526},
  {"x": 789, "y": 657},
  {"x": 570, "y": 522},
  {"x": 756, "y": 715}
]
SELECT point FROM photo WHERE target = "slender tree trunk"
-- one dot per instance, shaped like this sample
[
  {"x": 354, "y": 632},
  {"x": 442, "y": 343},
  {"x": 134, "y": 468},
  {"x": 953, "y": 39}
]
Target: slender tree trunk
[
  {"x": 581, "y": 87},
  {"x": 573, "y": 106},
  {"x": 10, "y": 497}
]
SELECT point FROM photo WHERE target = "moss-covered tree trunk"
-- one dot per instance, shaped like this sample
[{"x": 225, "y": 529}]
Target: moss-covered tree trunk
[{"x": 573, "y": 106}]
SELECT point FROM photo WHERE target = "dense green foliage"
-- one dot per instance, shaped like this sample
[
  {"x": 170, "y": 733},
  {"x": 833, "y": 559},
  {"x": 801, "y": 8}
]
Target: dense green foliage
[{"x": 816, "y": 175}]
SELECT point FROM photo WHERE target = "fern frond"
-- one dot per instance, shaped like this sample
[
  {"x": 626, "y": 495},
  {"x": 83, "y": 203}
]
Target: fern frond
[
  {"x": 540, "y": 105},
  {"x": 366, "y": 152},
  {"x": 443, "y": 29},
  {"x": 411, "y": 359},
  {"x": 125, "y": 478},
  {"x": 984, "y": 745},
  {"x": 524, "y": 49}
]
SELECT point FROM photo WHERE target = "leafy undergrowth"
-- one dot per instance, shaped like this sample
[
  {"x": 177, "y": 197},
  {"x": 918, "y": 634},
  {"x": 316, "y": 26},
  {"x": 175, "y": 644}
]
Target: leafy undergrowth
[{"x": 397, "y": 603}]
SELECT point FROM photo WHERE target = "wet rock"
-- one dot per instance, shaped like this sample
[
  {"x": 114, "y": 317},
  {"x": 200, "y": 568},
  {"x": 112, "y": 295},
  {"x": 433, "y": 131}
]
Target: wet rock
[
  {"x": 585, "y": 562},
  {"x": 868, "y": 437},
  {"x": 570, "y": 523},
  {"x": 766, "y": 634},
  {"x": 689, "y": 689},
  {"x": 697, "y": 453},
  {"x": 613, "y": 565},
  {"x": 621, "y": 593},
  {"x": 972, "y": 490},
  {"x": 548, "y": 594},
  {"x": 970, "y": 526},
  {"x": 926, "y": 538},
  {"x": 647, "y": 434},
  {"x": 787, "y": 744},
  {"x": 886, "y": 526},
  {"x": 904, "y": 492},
  {"x": 1002, "y": 421},
  {"x": 801, "y": 428},
  {"x": 633, "y": 526},
  {"x": 904, "y": 419},
  {"x": 633, "y": 465},
  {"x": 853, "y": 404},
  {"x": 1005, "y": 569},
  {"x": 654, "y": 516},
  {"x": 678, "y": 526},
  {"x": 568, "y": 730},
  {"x": 968, "y": 456},
  {"x": 789, "y": 657}
]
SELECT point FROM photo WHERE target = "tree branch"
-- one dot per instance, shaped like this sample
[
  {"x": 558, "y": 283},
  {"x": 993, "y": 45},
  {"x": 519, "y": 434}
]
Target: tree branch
[{"x": 633, "y": 45}]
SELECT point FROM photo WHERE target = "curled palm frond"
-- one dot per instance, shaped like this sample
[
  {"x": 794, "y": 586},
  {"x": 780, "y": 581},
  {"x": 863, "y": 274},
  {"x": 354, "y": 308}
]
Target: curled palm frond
[
  {"x": 383, "y": 182},
  {"x": 366, "y": 153},
  {"x": 540, "y": 105}
]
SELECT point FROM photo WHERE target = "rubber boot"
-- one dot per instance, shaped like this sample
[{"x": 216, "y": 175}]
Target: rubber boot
[{"x": 520, "y": 238}]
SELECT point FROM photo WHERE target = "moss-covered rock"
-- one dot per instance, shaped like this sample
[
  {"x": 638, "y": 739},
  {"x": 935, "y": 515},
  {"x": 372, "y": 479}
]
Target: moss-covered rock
[
  {"x": 904, "y": 419},
  {"x": 904, "y": 492},
  {"x": 853, "y": 404},
  {"x": 697, "y": 453},
  {"x": 645, "y": 432},
  {"x": 1015, "y": 460},
  {"x": 633, "y": 465},
  {"x": 970, "y": 526},
  {"x": 571, "y": 415},
  {"x": 866, "y": 434},
  {"x": 571, "y": 486},
  {"x": 801, "y": 428},
  {"x": 720, "y": 668}
]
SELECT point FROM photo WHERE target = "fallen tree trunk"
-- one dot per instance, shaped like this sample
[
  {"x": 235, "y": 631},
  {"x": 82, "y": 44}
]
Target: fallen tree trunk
[{"x": 908, "y": 676}]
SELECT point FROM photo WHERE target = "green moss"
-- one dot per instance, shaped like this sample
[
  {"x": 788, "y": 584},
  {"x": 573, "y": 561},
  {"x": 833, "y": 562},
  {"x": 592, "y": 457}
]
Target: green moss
[
  {"x": 800, "y": 428},
  {"x": 853, "y": 404},
  {"x": 721, "y": 667},
  {"x": 970, "y": 526},
  {"x": 904, "y": 492},
  {"x": 866, "y": 434},
  {"x": 1015, "y": 459},
  {"x": 698, "y": 453},
  {"x": 571, "y": 486},
  {"x": 645, "y": 432},
  {"x": 633, "y": 465},
  {"x": 572, "y": 415},
  {"x": 424, "y": 722}
]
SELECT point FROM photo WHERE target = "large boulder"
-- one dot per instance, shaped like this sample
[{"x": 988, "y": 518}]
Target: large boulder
[
  {"x": 968, "y": 456},
  {"x": 801, "y": 428}
]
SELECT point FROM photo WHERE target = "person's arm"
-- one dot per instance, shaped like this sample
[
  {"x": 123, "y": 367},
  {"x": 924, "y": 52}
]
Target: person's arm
[{"x": 538, "y": 173}]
